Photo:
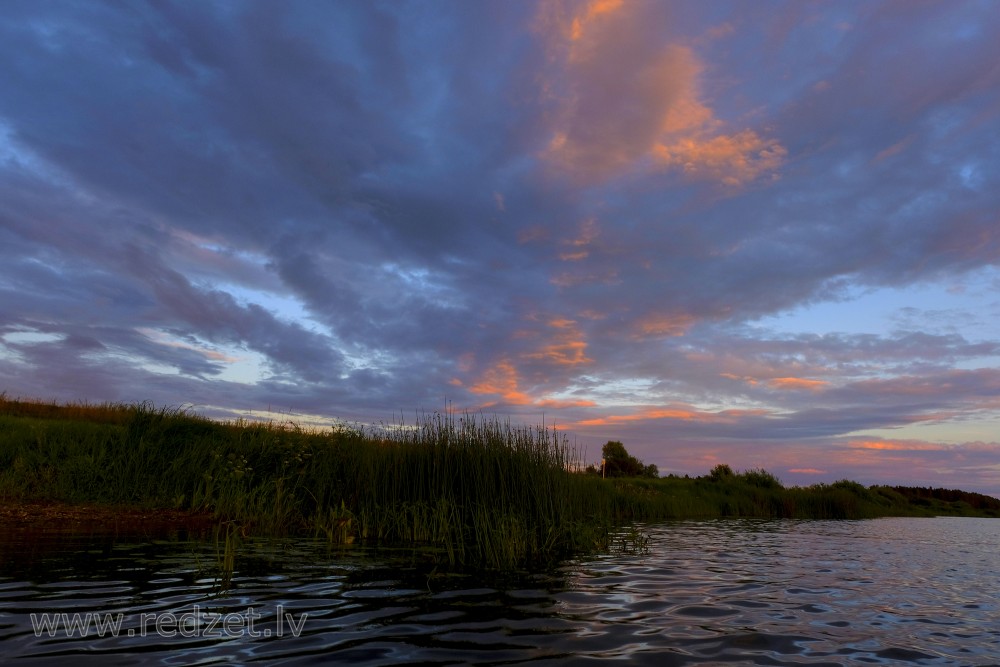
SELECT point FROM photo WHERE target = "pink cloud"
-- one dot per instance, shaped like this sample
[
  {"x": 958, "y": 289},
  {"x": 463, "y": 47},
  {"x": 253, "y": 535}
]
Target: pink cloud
[
  {"x": 676, "y": 412},
  {"x": 894, "y": 149},
  {"x": 781, "y": 383},
  {"x": 579, "y": 247},
  {"x": 621, "y": 99},
  {"x": 165, "y": 340},
  {"x": 797, "y": 383},
  {"x": 564, "y": 344},
  {"x": 897, "y": 445},
  {"x": 664, "y": 326},
  {"x": 559, "y": 403},
  {"x": 730, "y": 159},
  {"x": 501, "y": 380}
]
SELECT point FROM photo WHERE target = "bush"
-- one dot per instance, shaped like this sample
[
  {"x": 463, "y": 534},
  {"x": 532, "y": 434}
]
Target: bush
[
  {"x": 761, "y": 478},
  {"x": 721, "y": 473}
]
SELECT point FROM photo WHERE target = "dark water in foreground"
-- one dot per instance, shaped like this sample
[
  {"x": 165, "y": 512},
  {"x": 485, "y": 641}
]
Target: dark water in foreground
[{"x": 884, "y": 592}]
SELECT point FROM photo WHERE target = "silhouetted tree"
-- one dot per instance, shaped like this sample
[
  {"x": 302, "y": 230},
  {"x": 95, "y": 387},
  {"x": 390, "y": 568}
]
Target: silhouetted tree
[
  {"x": 619, "y": 463},
  {"x": 720, "y": 472}
]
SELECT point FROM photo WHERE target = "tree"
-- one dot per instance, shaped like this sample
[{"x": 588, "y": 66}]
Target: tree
[
  {"x": 721, "y": 473},
  {"x": 619, "y": 463}
]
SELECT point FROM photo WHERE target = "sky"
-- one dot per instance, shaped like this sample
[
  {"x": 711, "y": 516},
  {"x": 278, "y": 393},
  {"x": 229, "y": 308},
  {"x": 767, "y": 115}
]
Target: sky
[{"x": 765, "y": 234}]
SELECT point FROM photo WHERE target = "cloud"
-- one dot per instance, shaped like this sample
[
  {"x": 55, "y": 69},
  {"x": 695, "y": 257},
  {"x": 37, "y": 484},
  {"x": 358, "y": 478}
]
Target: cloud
[
  {"x": 558, "y": 404},
  {"x": 621, "y": 98},
  {"x": 897, "y": 446},
  {"x": 797, "y": 383},
  {"x": 732, "y": 160},
  {"x": 659, "y": 326},
  {"x": 579, "y": 247},
  {"x": 501, "y": 380},
  {"x": 213, "y": 355},
  {"x": 563, "y": 344},
  {"x": 633, "y": 214},
  {"x": 675, "y": 413}
]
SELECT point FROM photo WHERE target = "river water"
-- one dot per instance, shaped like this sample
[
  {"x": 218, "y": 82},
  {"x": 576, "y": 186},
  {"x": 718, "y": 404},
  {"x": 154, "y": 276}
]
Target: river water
[{"x": 880, "y": 592}]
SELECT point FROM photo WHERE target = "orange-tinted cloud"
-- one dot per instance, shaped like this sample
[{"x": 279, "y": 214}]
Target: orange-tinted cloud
[
  {"x": 167, "y": 341},
  {"x": 895, "y": 149},
  {"x": 677, "y": 413},
  {"x": 731, "y": 159},
  {"x": 752, "y": 381},
  {"x": 640, "y": 416},
  {"x": 895, "y": 445},
  {"x": 807, "y": 471},
  {"x": 664, "y": 326},
  {"x": 569, "y": 353},
  {"x": 579, "y": 247},
  {"x": 558, "y": 403},
  {"x": 889, "y": 454},
  {"x": 780, "y": 383},
  {"x": 620, "y": 99},
  {"x": 501, "y": 380},
  {"x": 783, "y": 383},
  {"x": 797, "y": 383},
  {"x": 568, "y": 346},
  {"x": 594, "y": 10}
]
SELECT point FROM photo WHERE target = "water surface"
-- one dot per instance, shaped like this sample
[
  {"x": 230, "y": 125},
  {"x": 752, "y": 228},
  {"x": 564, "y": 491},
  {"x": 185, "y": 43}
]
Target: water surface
[{"x": 888, "y": 591}]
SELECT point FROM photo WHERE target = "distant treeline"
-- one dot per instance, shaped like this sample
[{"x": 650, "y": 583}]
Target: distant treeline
[{"x": 925, "y": 496}]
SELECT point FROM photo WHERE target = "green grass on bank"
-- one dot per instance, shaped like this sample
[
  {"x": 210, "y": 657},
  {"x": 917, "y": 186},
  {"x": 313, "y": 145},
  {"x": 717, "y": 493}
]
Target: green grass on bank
[{"x": 479, "y": 492}]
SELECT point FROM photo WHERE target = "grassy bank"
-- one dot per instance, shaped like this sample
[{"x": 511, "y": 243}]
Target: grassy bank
[
  {"x": 758, "y": 494},
  {"x": 479, "y": 492}
]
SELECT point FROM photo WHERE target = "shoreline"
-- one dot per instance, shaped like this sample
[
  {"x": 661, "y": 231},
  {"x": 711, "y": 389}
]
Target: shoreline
[
  {"x": 488, "y": 494},
  {"x": 59, "y": 516},
  {"x": 129, "y": 520}
]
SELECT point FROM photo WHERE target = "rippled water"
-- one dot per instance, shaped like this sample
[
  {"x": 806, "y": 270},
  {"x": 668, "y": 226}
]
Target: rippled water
[{"x": 889, "y": 591}]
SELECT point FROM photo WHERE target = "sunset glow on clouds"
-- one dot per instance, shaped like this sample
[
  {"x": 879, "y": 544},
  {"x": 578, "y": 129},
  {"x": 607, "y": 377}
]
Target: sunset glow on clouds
[
  {"x": 620, "y": 93},
  {"x": 766, "y": 235}
]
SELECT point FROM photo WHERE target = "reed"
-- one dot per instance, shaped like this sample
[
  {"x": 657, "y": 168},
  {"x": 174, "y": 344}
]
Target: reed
[
  {"x": 479, "y": 492},
  {"x": 484, "y": 492}
]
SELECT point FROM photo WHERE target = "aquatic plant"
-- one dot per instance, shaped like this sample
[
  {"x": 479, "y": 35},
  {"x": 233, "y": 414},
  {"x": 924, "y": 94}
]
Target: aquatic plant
[
  {"x": 486, "y": 492},
  {"x": 475, "y": 491}
]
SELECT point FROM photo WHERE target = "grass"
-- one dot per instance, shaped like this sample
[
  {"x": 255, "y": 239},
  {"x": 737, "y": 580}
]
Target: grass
[
  {"x": 482, "y": 492},
  {"x": 477, "y": 492}
]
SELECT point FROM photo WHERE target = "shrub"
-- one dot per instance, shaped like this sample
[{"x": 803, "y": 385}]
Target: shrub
[
  {"x": 761, "y": 478},
  {"x": 720, "y": 473}
]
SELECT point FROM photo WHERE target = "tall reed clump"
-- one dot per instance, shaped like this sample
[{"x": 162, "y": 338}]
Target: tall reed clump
[{"x": 480, "y": 492}]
